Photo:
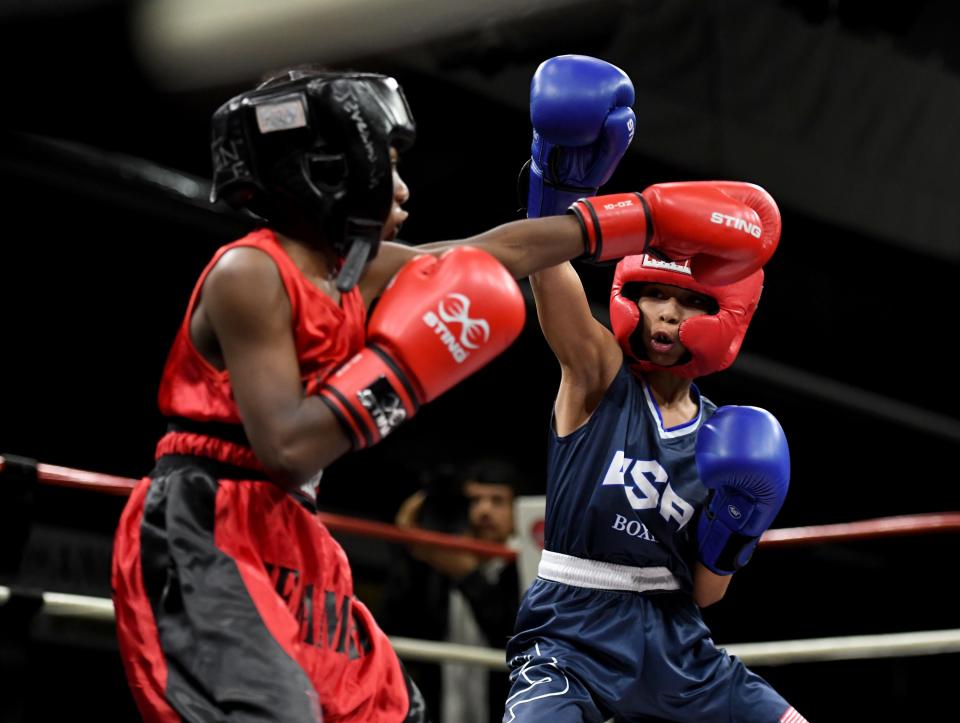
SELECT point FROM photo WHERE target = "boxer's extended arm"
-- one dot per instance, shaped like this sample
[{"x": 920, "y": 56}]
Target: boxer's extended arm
[
  {"x": 588, "y": 353},
  {"x": 521, "y": 246},
  {"x": 728, "y": 229},
  {"x": 292, "y": 435}
]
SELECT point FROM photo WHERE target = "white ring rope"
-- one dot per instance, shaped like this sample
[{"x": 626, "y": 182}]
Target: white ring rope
[{"x": 782, "y": 652}]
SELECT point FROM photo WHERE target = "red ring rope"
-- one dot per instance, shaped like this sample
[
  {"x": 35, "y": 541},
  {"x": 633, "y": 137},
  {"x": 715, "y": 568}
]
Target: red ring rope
[
  {"x": 109, "y": 484},
  {"x": 783, "y": 537}
]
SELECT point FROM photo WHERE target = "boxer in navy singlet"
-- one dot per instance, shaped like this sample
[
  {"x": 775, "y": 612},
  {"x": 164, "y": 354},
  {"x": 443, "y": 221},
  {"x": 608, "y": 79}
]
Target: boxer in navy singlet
[{"x": 654, "y": 496}]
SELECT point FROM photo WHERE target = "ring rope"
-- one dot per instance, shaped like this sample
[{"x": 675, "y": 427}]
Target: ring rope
[
  {"x": 782, "y": 652},
  {"x": 95, "y": 609},
  {"x": 899, "y": 525},
  {"x": 123, "y": 486}
]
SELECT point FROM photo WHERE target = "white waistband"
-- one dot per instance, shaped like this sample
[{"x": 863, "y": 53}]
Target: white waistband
[{"x": 604, "y": 575}]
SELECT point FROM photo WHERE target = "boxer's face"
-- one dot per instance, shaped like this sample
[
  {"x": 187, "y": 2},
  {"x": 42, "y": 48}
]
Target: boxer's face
[
  {"x": 491, "y": 510},
  {"x": 663, "y": 309},
  {"x": 401, "y": 194}
]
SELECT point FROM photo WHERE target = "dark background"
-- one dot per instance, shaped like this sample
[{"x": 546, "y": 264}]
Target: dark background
[{"x": 844, "y": 111}]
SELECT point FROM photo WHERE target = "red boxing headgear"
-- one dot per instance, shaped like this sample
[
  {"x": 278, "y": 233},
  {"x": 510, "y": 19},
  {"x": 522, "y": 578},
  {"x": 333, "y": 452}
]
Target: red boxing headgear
[{"x": 712, "y": 340}]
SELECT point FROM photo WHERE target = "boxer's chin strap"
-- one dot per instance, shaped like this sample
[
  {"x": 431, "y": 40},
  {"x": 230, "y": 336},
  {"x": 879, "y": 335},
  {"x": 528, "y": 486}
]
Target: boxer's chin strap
[{"x": 362, "y": 237}]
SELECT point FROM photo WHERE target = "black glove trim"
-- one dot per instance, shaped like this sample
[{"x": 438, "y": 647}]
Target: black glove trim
[
  {"x": 361, "y": 424},
  {"x": 648, "y": 236},
  {"x": 408, "y": 387},
  {"x": 598, "y": 235},
  {"x": 727, "y": 559}
]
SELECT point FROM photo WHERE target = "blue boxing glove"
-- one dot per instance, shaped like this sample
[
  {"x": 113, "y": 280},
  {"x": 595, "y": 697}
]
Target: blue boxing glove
[
  {"x": 743, "y": 458},
  {"x": 582, "y": 125}
]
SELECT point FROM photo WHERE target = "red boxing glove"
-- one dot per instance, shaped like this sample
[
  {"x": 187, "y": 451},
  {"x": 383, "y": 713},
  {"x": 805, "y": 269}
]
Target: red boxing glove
[
  {"x": 438, "y": 321},
  {"x": 728, "y": 229}
]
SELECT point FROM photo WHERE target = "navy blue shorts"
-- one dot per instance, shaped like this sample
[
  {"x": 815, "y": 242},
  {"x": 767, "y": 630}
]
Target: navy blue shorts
[{"x": 582, "y": 654}]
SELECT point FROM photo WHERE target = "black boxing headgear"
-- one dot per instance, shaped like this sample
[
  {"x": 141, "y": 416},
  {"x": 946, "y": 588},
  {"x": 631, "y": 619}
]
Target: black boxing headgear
[{"x": 314, "y": 148}]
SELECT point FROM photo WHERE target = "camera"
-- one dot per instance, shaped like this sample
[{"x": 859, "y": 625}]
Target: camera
[{"x": 445, "y": 508}]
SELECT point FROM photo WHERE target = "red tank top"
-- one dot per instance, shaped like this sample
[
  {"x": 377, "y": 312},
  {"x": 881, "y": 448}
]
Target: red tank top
[{"x": 325, "y": 335}]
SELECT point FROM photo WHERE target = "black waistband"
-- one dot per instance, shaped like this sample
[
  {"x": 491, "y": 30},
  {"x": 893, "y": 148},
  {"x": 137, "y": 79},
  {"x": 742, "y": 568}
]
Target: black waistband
[
  {"x": 218, "y": 470},
  {"x": 170, "y": 463},
  {"x": 220, "y": 430}
]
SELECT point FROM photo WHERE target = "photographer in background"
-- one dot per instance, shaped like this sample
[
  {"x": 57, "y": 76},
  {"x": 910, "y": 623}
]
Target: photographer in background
[{"x": 454, "y": 596}]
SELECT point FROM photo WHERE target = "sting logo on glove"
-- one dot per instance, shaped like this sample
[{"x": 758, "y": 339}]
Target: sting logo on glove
[
  {"x": 737, "y": 223},
  {"x": 425, "y": 335},
  {"x": 474, "y": 332},
  {"x": 455, "y": 309}
]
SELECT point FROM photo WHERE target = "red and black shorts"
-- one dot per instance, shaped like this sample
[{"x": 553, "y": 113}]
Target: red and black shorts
[{"x": 233, "y": 601}]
